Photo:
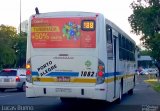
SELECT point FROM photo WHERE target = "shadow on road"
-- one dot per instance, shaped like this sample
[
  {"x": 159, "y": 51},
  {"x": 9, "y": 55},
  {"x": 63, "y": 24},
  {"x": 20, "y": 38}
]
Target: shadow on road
[
  {"x": 11, "y": 91},
  {"x": 89, "y": 106},
  {"x": 82, "y": 105}
]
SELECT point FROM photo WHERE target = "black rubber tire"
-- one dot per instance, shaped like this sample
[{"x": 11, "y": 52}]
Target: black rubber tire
[
  {"x": 2, "y": 90},
  {"x": 130, "y": 92},
  {"x": 23, "y": 88}
]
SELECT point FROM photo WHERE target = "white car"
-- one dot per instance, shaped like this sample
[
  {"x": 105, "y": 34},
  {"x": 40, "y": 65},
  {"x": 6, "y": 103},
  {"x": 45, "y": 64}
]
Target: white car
[
  {"x": 12, "y": 78},
  {"x": 152, "y": 71},
  {"x": 144, "y": 72},
  {"x": 149, "y": 71}
]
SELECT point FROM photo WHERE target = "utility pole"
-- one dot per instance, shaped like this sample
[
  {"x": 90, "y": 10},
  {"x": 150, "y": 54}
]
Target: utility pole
[
  {"x": 20, "y": 34},
  {"x": 20, "y": 18}
]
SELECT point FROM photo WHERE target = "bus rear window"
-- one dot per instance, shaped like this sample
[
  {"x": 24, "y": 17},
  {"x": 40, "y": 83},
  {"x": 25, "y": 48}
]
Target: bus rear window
[
  {"x": 8, "y": 73},
  {"x": 63, "y": 32}
]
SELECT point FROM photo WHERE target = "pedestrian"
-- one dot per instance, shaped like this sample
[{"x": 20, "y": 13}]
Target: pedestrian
[
  {"x": 139, "y": 72},
  {"x": 140, "y": 69}
]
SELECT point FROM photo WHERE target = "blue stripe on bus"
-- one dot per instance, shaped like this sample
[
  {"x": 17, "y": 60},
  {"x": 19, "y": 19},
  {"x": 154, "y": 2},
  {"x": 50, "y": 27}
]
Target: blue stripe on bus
[
  {"x": 58, "y": 74},
  {"x": 63, "y": 74},
  {"x": 35, "y": 74},
  {"x": 110, "y": 74}
]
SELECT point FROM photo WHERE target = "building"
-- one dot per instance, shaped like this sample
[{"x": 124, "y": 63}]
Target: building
[
  {"x": 145, "y": 62},
  {"x": 24, "y": 26}
]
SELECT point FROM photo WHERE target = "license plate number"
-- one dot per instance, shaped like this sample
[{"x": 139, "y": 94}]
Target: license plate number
[
  {"x": 6, "y": 80},
  {"x": 63, "y": 90},
  {"x": 63, "y": 79}
]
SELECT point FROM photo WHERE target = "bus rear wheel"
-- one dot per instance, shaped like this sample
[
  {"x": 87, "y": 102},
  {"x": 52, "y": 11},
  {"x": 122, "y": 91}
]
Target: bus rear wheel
[
  {"x": 130, "y": 92},
  {"x": 2, "y": 90}
]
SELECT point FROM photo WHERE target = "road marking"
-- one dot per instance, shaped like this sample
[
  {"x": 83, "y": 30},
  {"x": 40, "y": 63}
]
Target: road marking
[{"x": 4, "y": 96}]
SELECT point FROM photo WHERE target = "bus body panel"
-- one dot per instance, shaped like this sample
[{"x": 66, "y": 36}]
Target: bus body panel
[
  {"x": 63, "y": 91},
  {"x": 65, "y": 70}
]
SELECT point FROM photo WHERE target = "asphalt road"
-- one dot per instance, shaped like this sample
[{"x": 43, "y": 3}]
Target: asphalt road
[{"x": 143, "y": 99}]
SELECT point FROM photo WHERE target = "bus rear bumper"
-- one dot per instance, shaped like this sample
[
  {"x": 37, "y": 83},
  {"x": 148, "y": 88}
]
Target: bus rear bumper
[{"x": 69, "y": 92}]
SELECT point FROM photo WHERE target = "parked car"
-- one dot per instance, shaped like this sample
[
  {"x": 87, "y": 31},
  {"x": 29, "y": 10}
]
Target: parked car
[
  {"x": 153, "y": 71},
  {"x": 144, "y": 72},
  {"x": 12, "y": 78},
  {"x": 149, "y": 71}
]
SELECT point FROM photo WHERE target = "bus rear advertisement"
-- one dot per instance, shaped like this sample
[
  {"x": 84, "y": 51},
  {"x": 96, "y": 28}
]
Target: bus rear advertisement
[{"x": 63, "y": 32}]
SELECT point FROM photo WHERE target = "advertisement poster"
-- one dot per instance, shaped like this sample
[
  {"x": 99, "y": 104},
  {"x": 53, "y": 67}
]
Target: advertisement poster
[{"x": 62, "y": 33}]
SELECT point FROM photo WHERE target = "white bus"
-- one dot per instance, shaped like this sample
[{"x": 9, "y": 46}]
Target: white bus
[{"x": 78, "y": 55}]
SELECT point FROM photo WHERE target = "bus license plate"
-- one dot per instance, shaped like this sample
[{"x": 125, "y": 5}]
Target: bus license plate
[
  {"x": 63, "y": 79},
  {"x": 63, "y": 90}
]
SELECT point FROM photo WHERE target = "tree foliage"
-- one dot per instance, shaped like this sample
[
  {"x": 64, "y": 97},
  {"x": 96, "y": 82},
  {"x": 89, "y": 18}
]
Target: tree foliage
[
  {"x": 20, "y": 47},
  {"x": 145, "y": 21},
  {"x": 7, "y": 54},
  {"x": 144, "y": 53},
  {"x": 11, "y": 46}
]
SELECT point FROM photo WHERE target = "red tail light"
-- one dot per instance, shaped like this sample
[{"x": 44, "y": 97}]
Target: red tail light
[
  {"x": 28, "y": 67},
  {"x": 100, "y": 73},
  {"x": 17, "y": 79},
  {"x": 28, "y": 72}
]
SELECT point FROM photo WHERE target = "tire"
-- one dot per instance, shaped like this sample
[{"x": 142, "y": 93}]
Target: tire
[
  {"x": 130, "y": 92},
  {"x": 2, "y": 90},
  {"x": 134, "y": 81},
  {"x": 23, "y": 88}
]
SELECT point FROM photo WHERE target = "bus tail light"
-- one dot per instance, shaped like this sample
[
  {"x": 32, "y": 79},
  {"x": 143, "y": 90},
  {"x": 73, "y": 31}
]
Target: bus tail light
[
  {"x": 100, "y": 72},
  {"x": 28, "y": 72}
]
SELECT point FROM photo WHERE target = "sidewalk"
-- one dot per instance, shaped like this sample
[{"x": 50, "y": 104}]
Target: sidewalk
[{"x": 143, "y": 95}]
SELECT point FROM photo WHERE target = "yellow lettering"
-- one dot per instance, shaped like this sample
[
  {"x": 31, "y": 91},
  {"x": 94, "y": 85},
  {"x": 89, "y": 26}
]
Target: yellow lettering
[
  {"x": 40, "y": 36},
  {"x": 45, "y": 29},
  {"x": 91, "y": 25},
  {"x": 86, "y": 24}
]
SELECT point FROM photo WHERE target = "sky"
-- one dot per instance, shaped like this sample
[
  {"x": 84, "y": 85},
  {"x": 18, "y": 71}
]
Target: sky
[{"x": 117, "y": 11}]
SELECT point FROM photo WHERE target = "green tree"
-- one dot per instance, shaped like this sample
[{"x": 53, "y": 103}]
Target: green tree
[
  {"x": 145, "y": 53},
  {"x": 145, "y": 21},
  {"x": 12, "y": 47},
  {"x": 20, "y": 48},
  {"x": 7, "y": 53}
]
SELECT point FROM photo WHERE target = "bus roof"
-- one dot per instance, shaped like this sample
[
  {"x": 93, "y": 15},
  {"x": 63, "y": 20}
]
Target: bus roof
[
  {"x": 66, "y": 13},
  {"x": 81, "y": 14},
  {"x": 115, "y": 27}
]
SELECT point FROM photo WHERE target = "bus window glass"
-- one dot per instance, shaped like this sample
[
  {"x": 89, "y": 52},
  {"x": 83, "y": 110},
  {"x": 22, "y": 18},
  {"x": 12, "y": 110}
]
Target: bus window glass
[
  {"x": 109, "y": 34},
  {"x": 109, "y": 42}
]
